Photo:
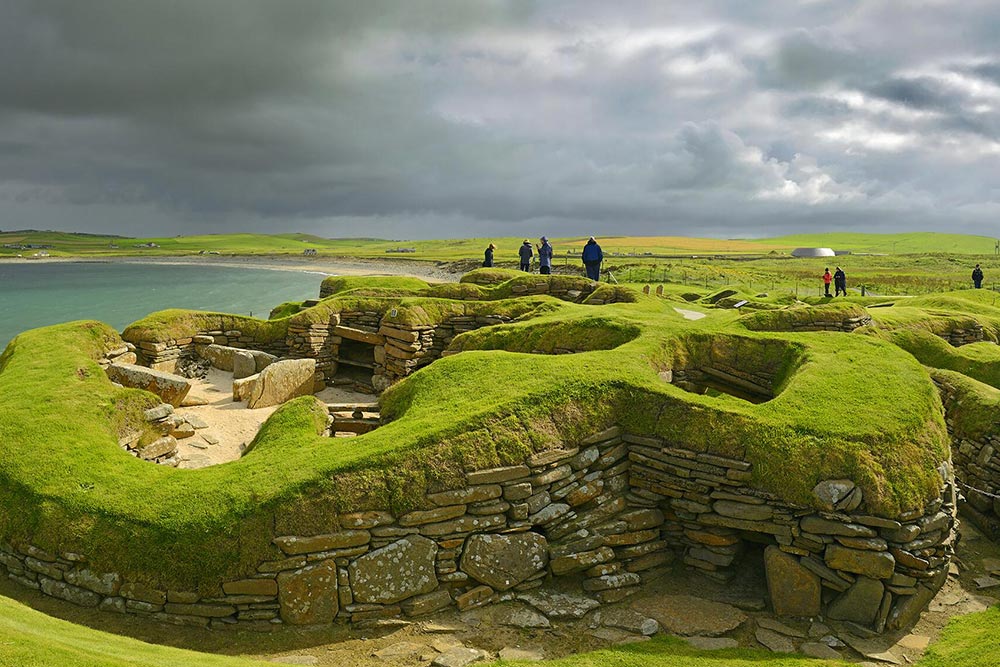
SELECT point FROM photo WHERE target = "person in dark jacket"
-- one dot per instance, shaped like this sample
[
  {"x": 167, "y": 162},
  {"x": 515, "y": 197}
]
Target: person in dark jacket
[
  {"x": 839, "y": 282},
  {"x": 977, "y": 277},
  {"x": 526, "y": 253},
  {"x": 592, "y": 258},
  {"x": 545, "y": 257},
  {"x": 488, "y": 261}
]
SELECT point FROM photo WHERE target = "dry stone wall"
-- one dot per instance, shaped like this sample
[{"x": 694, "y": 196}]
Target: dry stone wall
[
  {"x": 603, "y": 513},
  {"x": 977, "y": 469}
]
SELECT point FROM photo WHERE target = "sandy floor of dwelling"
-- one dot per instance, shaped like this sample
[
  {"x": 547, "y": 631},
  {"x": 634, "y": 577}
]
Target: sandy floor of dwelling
[{"x": 232, "y": 424}]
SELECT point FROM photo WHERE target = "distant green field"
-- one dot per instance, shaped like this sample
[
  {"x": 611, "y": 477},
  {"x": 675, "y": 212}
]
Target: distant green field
[{"x": 69, "y": 244}]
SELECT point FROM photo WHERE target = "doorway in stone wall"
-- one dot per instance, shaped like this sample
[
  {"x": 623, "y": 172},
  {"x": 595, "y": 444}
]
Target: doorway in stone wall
[{"x": 355, "y": 365}]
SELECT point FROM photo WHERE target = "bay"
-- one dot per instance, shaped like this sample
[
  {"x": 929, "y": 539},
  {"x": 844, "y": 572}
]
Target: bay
[{"x": 35, "y": 295}]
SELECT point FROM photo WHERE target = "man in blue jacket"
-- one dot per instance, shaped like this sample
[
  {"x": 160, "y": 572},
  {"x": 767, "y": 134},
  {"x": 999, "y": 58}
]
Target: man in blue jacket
[
  {"x": 545, "y": 257},
  {"x": 526, "y": 253},
  {"x": 592, "y": 258}
]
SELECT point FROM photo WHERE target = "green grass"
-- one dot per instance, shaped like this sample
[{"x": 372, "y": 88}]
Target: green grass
[
  {"x": 479, "y": 409},
  {"x": 29, "y": 638}
]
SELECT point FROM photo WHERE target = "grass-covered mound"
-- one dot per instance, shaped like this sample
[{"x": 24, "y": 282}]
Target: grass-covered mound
[
  {"x": 399, "y": 285},
  {"x": 789, "y": 318},
  {"x": 76, "y": 490}
]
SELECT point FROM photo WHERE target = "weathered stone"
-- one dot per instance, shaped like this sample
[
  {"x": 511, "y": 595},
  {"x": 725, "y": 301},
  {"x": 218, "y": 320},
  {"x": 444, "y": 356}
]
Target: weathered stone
[
  {"x": 687, "y": 615},
  {"x": 522, "y": 617},
  {"x": 504, "y": 561},
  {"x": 795, "y": 591},
  {"x": 743, "y": 511},
  {"x": 497, "y": 475},
  {"x": 642, "y": 519},
  {"x": 159, "y": 412},
  {"x": 105, "y": 584},
  {"x": 143, "y": 593},
  {"x": 219, "y": 356},
  {"x": 426, "y": 604},
  {"x": 169, "y": 387},
  {"x": 820, "y": 526},
  {"x": 308, "y": 596},
  {"x": 581, "y": 561},
  {"x": 874, "y": 564},
  {"x": 293, "y": 545},
  {"x": 395, "y": 572},
  {"x": 459, "y": 656},
  {"x": 612, "y": 582},
  {"x": 421, "y": 517},
  {"x": 559, "y": 605},
  {"x": 865, "y": 543},
  {"x": 244, "y": 365},
  {"x": 712, "y": 539},
  {"x": 626, "y": 619},
  {"x": 164, "y": 446},
  {"x": 820, "y": 651},
  {"x": 464, "y": 496},
  {"x": 463, "y": 524},
  {"x": 859, "y": 603},
  {"x": 774, "y": 641},
  {"x": 203, "y": 610},
  {"x": 830, "y": 492},
  {"x": 511, "y": 654},
  {"x": 475, "y": 597},
  {"x": 75, "y": 594},
  {"x": 264, "y": 587},
  {"x": 281, "y": 382}
]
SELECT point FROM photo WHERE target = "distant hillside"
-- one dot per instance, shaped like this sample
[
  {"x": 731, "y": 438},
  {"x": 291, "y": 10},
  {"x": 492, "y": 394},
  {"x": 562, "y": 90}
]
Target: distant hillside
[
  {"x": 906, "y": 243},
  {"x": 76, "y": 245}
]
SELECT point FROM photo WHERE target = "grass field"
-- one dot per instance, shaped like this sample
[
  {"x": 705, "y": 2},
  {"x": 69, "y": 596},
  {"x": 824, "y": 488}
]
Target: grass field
[{"x": 69, "y": 244}]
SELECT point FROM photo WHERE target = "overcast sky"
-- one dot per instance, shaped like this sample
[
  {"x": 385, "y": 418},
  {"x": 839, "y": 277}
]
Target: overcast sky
[{"x": 419, "y": 119}]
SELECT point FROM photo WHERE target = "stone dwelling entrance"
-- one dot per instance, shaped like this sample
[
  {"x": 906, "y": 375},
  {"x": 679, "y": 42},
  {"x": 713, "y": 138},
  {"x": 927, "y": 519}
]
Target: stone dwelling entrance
[{"x": 355, "y": 357}]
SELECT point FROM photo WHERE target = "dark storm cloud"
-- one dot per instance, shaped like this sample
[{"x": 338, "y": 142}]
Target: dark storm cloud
[{"x": 420, "y": 118}]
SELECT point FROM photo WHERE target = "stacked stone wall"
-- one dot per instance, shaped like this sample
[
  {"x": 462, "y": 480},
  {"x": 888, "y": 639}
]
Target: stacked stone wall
[
  {"x": 977, "y": 469},
  {"x": 973, "y": 333},
  {"x": 603, "y": 513},
  {"x": 847, "y": 325}
]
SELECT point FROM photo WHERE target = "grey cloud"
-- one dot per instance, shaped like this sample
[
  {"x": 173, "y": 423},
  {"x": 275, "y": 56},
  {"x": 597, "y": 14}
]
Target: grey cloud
[{"x": 442, "y": 118}]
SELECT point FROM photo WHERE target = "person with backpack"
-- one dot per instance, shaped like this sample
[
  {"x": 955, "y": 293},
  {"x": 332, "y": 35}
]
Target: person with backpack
[
  {"x": 827, "y": 279},
  {"x": 526, "y": 253},
  {"x": 840, "y": 282},
  {"x": 977, "y": 277},
  {"x": 592, "y": 258},
  {"x": 488, "y": 261},
  {"x": 545, "y": 257}
]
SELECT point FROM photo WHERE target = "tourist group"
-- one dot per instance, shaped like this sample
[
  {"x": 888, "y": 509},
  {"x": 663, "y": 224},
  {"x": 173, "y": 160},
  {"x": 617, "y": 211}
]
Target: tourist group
[{"x": 592, "y": 256}]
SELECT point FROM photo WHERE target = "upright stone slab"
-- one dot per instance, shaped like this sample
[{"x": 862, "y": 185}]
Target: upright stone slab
[
  {"x": 795, "y": 591},
  {"x": 309, "y": 596},
  {"x": 504, "y": 561},
  {"x": 169, "y": 387},
  {"x": 860, "y": 603},
  {"x": 244, "y": 365},
  {"x": 282, "y": 381},
  {"x": 396, "y": 572}
]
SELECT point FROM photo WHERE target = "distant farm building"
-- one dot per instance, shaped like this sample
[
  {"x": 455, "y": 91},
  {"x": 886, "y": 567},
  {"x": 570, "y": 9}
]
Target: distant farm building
[{"x": 813, "y": 252}]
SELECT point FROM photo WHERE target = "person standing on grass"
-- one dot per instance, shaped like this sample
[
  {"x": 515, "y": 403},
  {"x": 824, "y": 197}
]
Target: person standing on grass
[
  {"x": 977, "y": 277},
  {"x": 840, "y": 282},
  {"x": 592, "y": 258},
  {"x": 526, "y": 253},
  {"x": 545, "y": 257},
  {"x": 488, "y": 261},
  {"x": 827, "y": 279}
]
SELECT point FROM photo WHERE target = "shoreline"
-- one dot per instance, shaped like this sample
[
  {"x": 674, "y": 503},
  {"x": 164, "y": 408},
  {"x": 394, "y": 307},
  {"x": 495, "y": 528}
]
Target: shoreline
[{"x": 327, "y": 266}]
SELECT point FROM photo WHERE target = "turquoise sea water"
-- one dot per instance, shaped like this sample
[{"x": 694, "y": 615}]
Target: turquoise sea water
[{"x": 36, "y": 295}]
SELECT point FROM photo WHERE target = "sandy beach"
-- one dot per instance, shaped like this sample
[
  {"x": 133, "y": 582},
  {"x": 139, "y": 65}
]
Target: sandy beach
[{"x": 329, "y": 266}]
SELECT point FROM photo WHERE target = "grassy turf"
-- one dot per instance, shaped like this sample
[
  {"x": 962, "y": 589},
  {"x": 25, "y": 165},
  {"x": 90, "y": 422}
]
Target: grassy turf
[
  {"x": 29, "y": 638},
  {"x": 491, "y": 405}
]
